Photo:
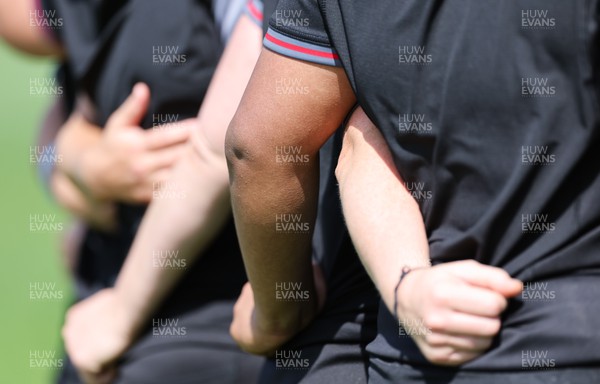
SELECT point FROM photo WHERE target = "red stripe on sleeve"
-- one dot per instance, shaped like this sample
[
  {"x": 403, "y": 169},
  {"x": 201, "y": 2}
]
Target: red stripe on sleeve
[
  {"x": 296, "y": 48},
  {"x": 254, "y": 11}
]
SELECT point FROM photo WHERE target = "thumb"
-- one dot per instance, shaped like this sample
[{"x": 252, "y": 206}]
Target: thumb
[
  {"x": 133, "y": 108},
  {"x": 486, "y": 276}
]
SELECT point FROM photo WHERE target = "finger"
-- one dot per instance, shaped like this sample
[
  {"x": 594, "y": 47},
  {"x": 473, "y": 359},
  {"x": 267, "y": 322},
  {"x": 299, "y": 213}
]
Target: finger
[
  {"x": 133, "y": 108},
  {"x": 458, "y": 357},
  {"x": 461, "y": 357},
  {"x": 486, "y": 276},
  {"x": 464, "y": 343},
  {"x": 166, "y": 137},
  {"x": 463, "y": 324},
  {"x": 476, "y": 301},
  {"x": 240, "y": 328},
  {"x": 164, "y": 158},
  {"x": 247, "y": 296},
  {"x": 446, "y": 356}
]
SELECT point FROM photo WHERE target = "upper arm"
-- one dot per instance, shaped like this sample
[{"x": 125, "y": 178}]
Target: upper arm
[
  {"x": 21, "y": 27},
  {"x": 288, "y": 102},
  {"x": 364, "y": 146},
  {"x": 227, "y": 87}
]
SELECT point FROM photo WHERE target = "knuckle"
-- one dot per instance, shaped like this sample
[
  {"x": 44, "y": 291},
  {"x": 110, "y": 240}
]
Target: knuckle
[
  {"x": 77, "y": 359},
  {"x": 69, "y": 317},
  {"x": 470, "y": 263},
  {"x": 494, "y": 327},
  {"x": 434, "y": 339},
  {"x": 237, "y": 308},
  {"x": 440, "y": 355},
  {"x": 457, "y": 358},
  {"x": 65, "y": 334},
  {"x": 139, "y": 171},
  {"x": 434, "y": 321},
  {"x": 497, "y": 306},
  {"x": 501, "y": 272},
  {"x": 439, "y": 294},
  {"x": 339, "y": 169}
]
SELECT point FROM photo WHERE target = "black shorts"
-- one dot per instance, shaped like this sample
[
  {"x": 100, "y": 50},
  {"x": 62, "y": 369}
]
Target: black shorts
[
  {"x": 196, "y": 350},
  {"x": 381, "y": 371}
]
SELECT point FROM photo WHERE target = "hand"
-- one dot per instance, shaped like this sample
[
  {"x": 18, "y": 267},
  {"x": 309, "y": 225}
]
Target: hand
[
  {"x": 452, "y": 311},
  {"x": 96, "y": 333},
  {"x": 246, "y": 330},
  {"x": 97, "y": 214},
  {"x": 129, "y": 162}
]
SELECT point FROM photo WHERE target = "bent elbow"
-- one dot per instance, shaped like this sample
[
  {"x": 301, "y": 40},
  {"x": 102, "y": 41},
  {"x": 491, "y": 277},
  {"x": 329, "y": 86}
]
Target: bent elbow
[
  {"x": 243, "y": 150},
  {"x": 234, "y": 148}
]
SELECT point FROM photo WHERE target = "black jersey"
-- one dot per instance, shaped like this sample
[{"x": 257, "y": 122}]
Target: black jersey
[
  {"x": 113, "y": 45},
  {"x": 490, "y": 110},
  {"x": 173, "y": 47},
  {"x": 332, "y": 348}
]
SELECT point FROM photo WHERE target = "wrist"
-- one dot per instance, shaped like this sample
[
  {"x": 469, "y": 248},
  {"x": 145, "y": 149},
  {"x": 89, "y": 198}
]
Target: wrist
[
  {"x": 129, "y": 319},
  {"x": 89, "y": 173},
  {"x": 286, "y": 322},
  {"x": 404, "y": 288}
]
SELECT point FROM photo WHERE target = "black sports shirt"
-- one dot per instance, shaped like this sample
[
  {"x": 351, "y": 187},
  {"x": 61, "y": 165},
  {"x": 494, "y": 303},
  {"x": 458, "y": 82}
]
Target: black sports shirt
[{"x": 490, "y": 109}]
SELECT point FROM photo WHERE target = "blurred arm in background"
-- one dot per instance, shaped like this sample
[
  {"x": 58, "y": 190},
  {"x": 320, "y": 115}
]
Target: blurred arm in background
[
  {"x": 18, "y": 27},
  {"x": 120, "y": 163},
  {"x": 98, "y": 167},
  {"x": 116, "y": 315}
]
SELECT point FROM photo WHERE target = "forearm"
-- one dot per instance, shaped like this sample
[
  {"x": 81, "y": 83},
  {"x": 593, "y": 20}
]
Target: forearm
[
  {"x": 383, "y": 219},
  {"x": 200, "y": 178},
  {"x": 182, "y": 220},
  {"x": 74, "y": 142},
  {"x": 275, "y": 230},
  {"x": 272, "y": 147},
  {"x": 95, "y": 213}
]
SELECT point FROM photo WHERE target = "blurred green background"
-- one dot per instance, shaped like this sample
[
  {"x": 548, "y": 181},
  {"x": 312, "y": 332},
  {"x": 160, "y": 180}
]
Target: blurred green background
[{"x": 27, "y": 325}]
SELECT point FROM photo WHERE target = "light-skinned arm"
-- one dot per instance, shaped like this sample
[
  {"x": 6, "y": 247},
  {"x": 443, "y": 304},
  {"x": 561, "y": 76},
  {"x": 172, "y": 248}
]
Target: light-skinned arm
[
  {"x": 452, "y": 310},
  {"x": 117, "y": 314},
  {"x": 19, "y": 27},
  {"x": 121, "y": 162}
]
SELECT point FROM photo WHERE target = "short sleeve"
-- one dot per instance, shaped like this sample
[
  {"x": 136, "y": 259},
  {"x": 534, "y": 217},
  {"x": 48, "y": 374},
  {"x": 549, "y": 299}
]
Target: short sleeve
[
  {"x": 297, "y": 30},
  {"x": 227, "y": 13},
  {"x": 254, "y": 10},
  {"x": 46, "y": 17}
]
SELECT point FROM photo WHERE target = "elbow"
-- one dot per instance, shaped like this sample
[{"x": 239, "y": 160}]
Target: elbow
[
  {"x": 234, "y": 149},
  {"x": 243, "y": 151}
]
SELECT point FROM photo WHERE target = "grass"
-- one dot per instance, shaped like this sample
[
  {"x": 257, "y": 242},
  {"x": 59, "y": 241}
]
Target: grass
[{"x": 27, "y": 257}]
